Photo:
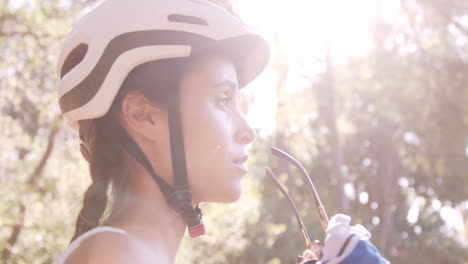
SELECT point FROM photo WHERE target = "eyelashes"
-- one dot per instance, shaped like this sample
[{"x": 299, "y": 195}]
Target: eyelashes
[{"x": 226, "y": 101}]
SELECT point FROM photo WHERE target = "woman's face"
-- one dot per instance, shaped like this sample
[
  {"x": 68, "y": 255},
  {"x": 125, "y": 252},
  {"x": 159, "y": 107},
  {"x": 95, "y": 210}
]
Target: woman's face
[{"x": 215, "y": 133}]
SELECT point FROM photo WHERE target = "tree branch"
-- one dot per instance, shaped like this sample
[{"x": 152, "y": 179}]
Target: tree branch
[
  {"x": 459, "y": 26},
  {"x": 6, "y": 253},
  {"x": 440, "y": 9},
  {"x": 3, "y": 16},
  {"x": 33, "y": 179},
  {"x": 33, "y": 183}
]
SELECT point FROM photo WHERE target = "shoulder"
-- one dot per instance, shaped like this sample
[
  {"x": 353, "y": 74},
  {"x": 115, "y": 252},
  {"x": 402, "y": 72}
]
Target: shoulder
[{"x": 107, "y": 247}]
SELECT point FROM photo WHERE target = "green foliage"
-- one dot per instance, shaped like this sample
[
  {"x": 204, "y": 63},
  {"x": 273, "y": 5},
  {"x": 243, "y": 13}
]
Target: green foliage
[
  {"x": 41, "y": 174},
  {"x": 390, "y": 127}
]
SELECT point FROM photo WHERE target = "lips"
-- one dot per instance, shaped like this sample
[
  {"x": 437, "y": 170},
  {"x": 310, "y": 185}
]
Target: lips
[
  {"x": 241, "y": 160},
  {"x": 239, "y": 163}
]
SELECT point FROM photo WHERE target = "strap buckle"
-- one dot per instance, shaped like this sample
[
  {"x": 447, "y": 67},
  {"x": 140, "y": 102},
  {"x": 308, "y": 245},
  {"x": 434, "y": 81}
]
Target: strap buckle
[{"x": 181, "y": 201}]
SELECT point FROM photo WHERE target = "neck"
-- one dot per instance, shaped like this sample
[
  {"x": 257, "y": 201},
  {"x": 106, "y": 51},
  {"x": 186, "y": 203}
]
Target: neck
[{"x": 144, "y": 213}]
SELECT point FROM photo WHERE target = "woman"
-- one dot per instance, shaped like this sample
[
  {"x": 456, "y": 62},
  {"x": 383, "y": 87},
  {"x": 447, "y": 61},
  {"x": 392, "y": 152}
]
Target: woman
[{"x": 151, "y": 86}]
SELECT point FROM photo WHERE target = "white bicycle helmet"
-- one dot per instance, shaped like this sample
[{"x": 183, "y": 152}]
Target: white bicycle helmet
[{"x": 117, "y": 36}]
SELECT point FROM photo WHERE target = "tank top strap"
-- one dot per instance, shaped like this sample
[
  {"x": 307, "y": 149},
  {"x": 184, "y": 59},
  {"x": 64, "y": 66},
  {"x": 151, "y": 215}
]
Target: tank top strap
[{"x": 76, "y": 243}]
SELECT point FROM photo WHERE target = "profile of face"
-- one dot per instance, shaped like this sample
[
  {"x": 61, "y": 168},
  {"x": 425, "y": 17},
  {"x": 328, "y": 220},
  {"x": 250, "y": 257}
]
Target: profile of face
[{"x": 215, "y": 132}]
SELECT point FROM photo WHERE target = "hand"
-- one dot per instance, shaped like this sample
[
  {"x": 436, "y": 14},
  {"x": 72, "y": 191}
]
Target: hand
[
  {"x": 347, "y": 244},
  {"x": 312, "y": 254}
]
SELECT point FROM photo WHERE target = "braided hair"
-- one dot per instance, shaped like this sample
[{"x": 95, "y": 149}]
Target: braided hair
[{"x": 106, "y": 157}]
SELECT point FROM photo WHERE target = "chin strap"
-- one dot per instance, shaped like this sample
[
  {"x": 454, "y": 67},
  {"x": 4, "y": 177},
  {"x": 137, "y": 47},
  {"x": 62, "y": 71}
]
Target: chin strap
[{"x": 179, "y": 200}]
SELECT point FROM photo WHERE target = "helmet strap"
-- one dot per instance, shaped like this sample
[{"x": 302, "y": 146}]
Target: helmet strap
[
  {"x": 127, "y": 142},
  {"x": 181, "y": 199}
]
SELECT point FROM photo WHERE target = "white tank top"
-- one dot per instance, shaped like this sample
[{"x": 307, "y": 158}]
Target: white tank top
[{"x": 61, "y": 259}]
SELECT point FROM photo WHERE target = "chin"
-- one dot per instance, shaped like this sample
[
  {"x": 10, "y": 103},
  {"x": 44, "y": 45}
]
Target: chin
[
  {"x": 226, "y": 194},
  {"x": 232, "y": 197},
  {"x": 232, "y": 193}
]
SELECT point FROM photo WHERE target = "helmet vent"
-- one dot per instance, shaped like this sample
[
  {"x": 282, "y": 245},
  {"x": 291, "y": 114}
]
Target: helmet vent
[
  {"x": 74, "y": 58},
  {"x": 187, "y": 19}
]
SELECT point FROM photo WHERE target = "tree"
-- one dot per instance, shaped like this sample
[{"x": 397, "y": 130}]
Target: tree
[
  {"x": 391, "y": 125},
  {"x": 37, "y": 165}
]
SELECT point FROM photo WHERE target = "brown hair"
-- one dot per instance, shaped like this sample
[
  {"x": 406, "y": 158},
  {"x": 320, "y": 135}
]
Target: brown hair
[{"x": 106, "y": 157}]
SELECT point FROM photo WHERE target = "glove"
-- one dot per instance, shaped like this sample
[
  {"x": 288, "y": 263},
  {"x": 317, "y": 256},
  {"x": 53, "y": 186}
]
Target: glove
[{"x": 347, "y": 244}]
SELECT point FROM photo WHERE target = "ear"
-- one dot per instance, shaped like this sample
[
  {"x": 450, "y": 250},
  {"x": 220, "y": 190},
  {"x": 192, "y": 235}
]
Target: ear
[{"x": 140, "y": 116}]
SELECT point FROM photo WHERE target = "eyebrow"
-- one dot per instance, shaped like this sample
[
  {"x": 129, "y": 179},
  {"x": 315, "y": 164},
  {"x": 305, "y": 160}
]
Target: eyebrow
[{"x": 232, "y": 85}]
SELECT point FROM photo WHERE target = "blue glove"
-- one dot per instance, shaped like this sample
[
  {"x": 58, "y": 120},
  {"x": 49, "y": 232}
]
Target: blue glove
[{"x": 347, "y": 244}]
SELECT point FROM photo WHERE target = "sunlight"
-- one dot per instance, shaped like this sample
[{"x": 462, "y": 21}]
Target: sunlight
[
  {"x": 307, "y": 30},
  {"x": 454, "y": 221}
]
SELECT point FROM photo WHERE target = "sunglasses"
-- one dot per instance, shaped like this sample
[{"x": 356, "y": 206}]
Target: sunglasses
[{"x": 315, "y": 246}]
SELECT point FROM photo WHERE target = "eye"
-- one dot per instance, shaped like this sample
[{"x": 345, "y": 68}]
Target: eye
[{"x": 225, "y": 101}]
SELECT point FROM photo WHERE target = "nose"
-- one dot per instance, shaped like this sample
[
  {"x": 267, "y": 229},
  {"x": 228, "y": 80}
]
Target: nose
[{"x": 245, "y": 134}]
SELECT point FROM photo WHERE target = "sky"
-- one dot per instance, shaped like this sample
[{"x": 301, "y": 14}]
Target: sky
[{"x": 307, "y": 29}]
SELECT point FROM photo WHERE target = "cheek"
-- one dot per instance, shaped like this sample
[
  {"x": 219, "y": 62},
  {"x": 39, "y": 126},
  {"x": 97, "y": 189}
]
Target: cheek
[
  {"x": 207, "y": 133},
  {"x": 209, "y": 140}
]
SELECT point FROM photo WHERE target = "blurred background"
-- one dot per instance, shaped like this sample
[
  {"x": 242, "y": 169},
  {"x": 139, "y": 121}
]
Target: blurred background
[{"x": 371, "y": 95}]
